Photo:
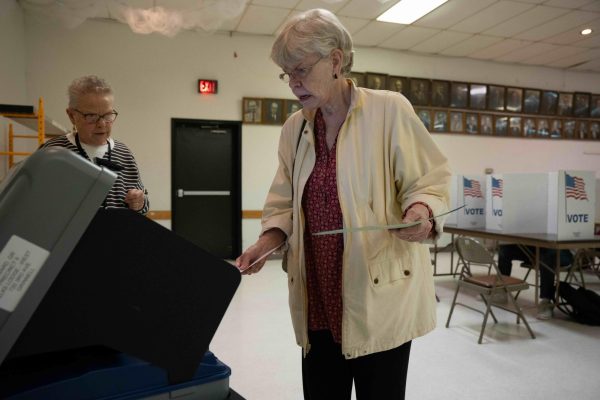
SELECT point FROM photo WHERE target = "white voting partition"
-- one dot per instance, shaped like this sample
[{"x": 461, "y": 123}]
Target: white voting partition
[
  {"x": 525, "y": 203},
  {"x": 470, "y": 191},
  {"x": 452, "y": 218},
  {"x": 571, "y": 204},
  {"x": 493, "y": 202}
]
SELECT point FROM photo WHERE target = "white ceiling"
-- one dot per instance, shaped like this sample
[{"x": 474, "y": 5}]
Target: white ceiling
[{"x": 535, "y": 32}]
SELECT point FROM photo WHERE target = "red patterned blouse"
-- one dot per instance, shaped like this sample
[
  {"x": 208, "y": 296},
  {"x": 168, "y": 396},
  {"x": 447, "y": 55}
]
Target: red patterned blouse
[{"x": 323, "y": 254}]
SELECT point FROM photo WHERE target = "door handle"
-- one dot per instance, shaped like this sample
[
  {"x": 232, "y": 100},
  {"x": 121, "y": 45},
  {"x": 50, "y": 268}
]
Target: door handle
[{"x": 182, "y": 193}]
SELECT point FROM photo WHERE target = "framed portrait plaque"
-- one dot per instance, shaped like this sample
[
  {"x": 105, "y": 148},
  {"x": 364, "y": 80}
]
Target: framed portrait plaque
[
  {"x": 440, "y": 93},
  {"x": 420, "y": 92},
  {"x": 514, "y": 99},
  {"x": 251, "y": 110},
  {"x": 477, "y": 97},
  {"x": 496, "y": 96}
]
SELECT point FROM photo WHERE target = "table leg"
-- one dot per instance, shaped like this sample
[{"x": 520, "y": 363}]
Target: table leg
[
  {"x": 536, "y": 265},
  {"x": 557, "y": 276},
  {"x": 435, "y": 250},
  {"x": 452, "y": 257}
]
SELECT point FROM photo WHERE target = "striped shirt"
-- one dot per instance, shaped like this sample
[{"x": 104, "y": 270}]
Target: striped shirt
[{"x": 127, "y": 178}]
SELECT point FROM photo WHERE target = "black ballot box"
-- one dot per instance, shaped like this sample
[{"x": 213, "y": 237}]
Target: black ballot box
[{"x": 127, "y": 297}]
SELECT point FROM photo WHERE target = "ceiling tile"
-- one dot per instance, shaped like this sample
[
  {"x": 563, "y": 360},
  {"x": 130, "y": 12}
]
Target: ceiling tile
[
  {"x": 593, "y": 6},
  {"x": 408, "y": 37},
  {"x": 593, "y": 65},
  {"x": 499, "y": 49},
  {"x": 575, "y": 60},
  {"x": 592, "y": 41},
  {"x": 558, "y": 25},
  {"x": 364, "y": 8},
  {"x": 353, "y": 24},
  {"x": 275, "y": 3},
  {"x": 491, "y": 16},
  {"x": 525, "y": 21},
  {"x": 310, "y": 4},
  {"x": 262, "y": 20},
  {"x": 231, "y": 24},
  {"x": 556, "y": 54},
  {"x": 143, "y": 3},
  {"x": 470, "y": 45},
  {"x": 574, "y": 36},
  {"x": 439, "y": 42},
  {"x": 375, "y": 32},
  {"x": 573, "y": 4},
  {"x": 527, "y": 52},
  {"x": 451, "y": 13}
]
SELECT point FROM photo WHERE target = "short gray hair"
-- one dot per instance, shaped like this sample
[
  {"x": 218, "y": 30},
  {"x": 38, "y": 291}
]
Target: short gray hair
[
  {"x": 85, "y": 85},
  {"x": 313, "y": 31}
]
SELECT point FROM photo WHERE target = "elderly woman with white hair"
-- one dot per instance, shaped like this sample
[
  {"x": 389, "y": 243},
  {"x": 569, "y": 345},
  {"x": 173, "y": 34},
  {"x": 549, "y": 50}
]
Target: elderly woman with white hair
[
  {"x": 352, "y": 157},
  {"x": 92, "y": 114}
]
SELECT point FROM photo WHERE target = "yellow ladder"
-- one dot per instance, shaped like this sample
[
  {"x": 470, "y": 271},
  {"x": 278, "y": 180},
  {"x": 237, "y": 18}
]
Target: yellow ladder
[{"x": 36, "y": 122}]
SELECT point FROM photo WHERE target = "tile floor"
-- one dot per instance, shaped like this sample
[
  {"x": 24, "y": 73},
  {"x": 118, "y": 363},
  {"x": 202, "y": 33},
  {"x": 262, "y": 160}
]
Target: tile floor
[{"x": 256, "y": 340}]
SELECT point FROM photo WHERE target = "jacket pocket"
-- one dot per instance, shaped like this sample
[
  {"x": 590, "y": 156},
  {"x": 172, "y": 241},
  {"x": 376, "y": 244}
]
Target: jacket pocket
[{"x": 390, "y": 271}]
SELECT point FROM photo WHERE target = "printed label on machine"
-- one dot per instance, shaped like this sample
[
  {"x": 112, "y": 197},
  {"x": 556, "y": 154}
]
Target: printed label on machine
[{"x": 20, "y": 262}]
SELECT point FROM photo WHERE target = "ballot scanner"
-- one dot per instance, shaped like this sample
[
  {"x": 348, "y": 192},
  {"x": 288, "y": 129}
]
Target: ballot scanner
[{"x": 101, "y": 303}]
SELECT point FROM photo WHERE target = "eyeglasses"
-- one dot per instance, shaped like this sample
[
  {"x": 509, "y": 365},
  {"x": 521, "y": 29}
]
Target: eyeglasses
[
  {"x": 298, "y": 73},
  {"x": 94, "y": 118}
]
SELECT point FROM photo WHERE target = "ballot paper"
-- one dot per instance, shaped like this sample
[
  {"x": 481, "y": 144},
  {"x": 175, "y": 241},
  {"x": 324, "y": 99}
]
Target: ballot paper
[
  {"x": 265, "y": 255},
  {"x": 380, "y": 227}
]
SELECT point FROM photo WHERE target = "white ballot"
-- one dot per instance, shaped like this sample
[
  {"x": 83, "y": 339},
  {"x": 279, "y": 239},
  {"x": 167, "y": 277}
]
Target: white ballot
[{"x": 380, "y": 227}]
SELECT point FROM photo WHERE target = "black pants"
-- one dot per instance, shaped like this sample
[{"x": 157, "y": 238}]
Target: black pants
[{"x": 327, "y": 375}]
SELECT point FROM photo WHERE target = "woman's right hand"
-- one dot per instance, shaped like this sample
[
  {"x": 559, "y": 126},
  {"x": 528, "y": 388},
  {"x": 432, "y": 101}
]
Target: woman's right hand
[{"x": 268, "y": 241}]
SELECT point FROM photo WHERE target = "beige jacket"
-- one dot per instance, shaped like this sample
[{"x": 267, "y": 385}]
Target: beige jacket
[{"x": 386, "y": 160}]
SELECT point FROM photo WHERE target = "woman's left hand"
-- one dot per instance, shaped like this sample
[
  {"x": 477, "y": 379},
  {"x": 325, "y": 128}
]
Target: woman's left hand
[
  {"x": 419, "y": 232},
  {"x": 135, "y": 199}
]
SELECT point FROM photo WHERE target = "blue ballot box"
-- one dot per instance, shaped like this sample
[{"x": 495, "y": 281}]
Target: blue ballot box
[
  {"x": 102, "y": 304},
  {"x": 102, "y": 375}
]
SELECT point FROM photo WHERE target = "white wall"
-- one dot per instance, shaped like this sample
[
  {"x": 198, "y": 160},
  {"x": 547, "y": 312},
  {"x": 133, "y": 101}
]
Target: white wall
[
  {"x": 154, "y": 78},
  {"x": 12, "y": 66}
]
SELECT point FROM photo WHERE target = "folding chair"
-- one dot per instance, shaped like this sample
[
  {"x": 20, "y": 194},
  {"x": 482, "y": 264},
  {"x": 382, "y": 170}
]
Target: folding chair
[
  {"x": 588, "y": 259},
  {"x": 472, "y": 252}
]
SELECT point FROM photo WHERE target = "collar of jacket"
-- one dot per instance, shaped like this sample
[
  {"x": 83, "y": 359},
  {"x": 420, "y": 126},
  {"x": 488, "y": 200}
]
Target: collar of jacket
[{"x": 356, "y": 102}]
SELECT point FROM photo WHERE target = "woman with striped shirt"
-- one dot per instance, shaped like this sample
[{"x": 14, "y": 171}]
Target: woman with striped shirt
[{"x": 92, "y": 114}]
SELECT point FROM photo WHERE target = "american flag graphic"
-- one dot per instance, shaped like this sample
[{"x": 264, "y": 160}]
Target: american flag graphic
[
  {"x": 497, "y": 185},
  {"x": 575, "y": 187},
  {"x": 471, "y": 187}
]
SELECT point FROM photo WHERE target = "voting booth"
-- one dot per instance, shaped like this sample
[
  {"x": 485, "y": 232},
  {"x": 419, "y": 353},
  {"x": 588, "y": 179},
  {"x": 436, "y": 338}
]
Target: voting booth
[
  {"x": 561, "y": 203},
  {"x": 494, "y": 193},
  {"x": 101, "y": 303},
  {"x": 571, "y": 204},
  {"x": 467, "y": 190},
  {"x": 525, "y": 203}
]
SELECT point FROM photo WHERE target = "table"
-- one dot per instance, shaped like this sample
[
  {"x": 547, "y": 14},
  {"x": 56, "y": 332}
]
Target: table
[{"x": 536, "y": 240}]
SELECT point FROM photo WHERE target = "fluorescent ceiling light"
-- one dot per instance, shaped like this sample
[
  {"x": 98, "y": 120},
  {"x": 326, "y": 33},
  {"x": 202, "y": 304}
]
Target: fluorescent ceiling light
[
  {"x": 408, "y": 11},
  {"x": 586, "y": 31}
]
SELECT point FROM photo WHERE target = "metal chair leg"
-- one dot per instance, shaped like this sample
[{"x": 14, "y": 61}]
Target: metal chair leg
[
  {"x": 453, "y": 304},
  {"x": 485, "y": 317},
  {"x": 520, "y": 315}
]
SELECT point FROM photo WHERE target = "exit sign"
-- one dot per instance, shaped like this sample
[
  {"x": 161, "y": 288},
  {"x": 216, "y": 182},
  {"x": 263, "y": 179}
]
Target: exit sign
[{"x": 207, "y": 86}]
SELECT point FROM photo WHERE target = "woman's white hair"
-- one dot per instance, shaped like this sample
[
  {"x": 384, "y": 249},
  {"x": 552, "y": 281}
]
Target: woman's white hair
[
  {"x": 313, "y": 31},
  {"x": 86, "y": 85}
]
